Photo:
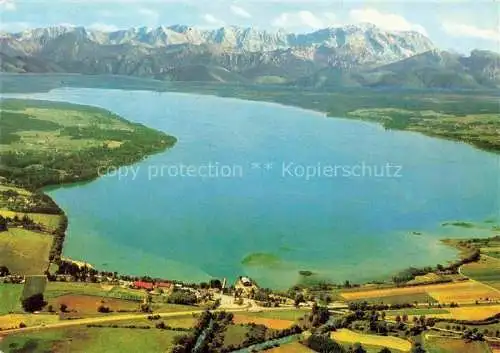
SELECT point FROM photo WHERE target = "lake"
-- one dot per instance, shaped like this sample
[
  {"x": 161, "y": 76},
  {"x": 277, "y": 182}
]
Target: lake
[{"x": 267, "y": 191}]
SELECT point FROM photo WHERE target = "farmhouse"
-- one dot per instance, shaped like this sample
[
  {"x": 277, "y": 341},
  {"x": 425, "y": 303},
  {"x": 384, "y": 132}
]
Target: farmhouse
[
  {"x": 246, "y": 285},
  {"x": 142, "y": 285},
  {"x": 164, "y": 285},
  {"x": 247, "y": 282}
]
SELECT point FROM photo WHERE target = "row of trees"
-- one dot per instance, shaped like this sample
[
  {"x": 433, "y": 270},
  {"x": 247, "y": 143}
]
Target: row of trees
[
  {"x": 25, "y": 222},
  {"x": 365, "y": 306},
  {"x": 36, "y": 202},
  {"x": 186, "y": 343},
  {"x": 183, "y": 297},
  {"x": 411, "y": 272}
]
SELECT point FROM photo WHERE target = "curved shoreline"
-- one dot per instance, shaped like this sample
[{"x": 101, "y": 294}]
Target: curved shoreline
[
  {"x": 65, "y": 219},
  {"x": 138, "y": 140}
]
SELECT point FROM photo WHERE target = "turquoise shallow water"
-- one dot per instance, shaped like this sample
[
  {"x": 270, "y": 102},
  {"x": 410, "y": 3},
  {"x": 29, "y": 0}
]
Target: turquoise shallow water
[{"x": 344, "y": 227}]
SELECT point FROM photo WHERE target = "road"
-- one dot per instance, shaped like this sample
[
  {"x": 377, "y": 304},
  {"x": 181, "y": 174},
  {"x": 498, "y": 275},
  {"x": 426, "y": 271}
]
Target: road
[{"x": 124, "y": 317}]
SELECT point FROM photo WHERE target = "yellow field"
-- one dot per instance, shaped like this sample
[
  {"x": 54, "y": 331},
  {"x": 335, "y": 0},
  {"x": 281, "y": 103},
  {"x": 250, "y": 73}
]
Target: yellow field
[
  {"x": 25, "y": 252},
  {"x": 479, "y": 312},
  {"x": 348, "y": 336},
  {"x": 460, "y": 292},
  {"x": 13, "y": 320},
  {"x": 17, "y": 189},
  {"x": 50, "y": 221},
  {"x": 114, "y": 144},
  {"x": 294, "y": 347},
  {"x": 454, "y": 345},
  {"x": 430, "y": 277},
  {"x": 493, "y": 248},
  {"x": 487, "y": 270},
  {"x": 463, "y": 292},
  {"x": 242, "y": 319}
]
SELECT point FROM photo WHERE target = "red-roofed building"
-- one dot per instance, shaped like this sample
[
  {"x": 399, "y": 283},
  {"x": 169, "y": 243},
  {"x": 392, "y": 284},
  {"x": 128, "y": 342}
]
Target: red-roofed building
[
  {"x": 142, "y": 285},
  {"x": 165, "y": 285}
]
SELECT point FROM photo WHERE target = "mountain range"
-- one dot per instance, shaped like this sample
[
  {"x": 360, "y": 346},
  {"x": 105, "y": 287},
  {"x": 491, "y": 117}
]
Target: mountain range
[{"x": 353, "y": 55}]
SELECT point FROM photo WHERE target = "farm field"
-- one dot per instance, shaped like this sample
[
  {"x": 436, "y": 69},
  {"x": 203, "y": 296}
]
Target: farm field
[
  {"x": 235, "y": 335},
  {"x": 25, "y": 252},
  {"x": 170, "y": 308},
  {"x": 16, "y": 189},
  {"x": 49, "y": 221},
  {"x": 495, "y": 347},
  {"x": 463, "y": 292},
  {"x": 292, "y": 315},
  {"x": 86, "y": 305},
  {"x": 56, "y": 289},
  {"x": 184, "y": 321},
  {"x": 348, "y": 336},
  {"x": 479, "y": 312},
  {"x": 10, "y": 295},
  {"x": 34, "y": 285},
  {"x": 487, "y": 270},
  {"x": 459, "y": 292},
  {"x": 454, "y": 345},
  {"x": 416, "y": 312},
  {"x": 14, "y": 320},
  {"x": 36, "y": 133},
  {"x": 91, "y": 340},
  {"x": 475, "y": 312},
  {"x": 435, "y": 278},
  {"x": 270, "y": 323},
  {"x": 492, "y": 328},
  {"x": 399, "y": 299},
  {"x": 294, "y": 347},
  {"x": 371, "y": 349}
]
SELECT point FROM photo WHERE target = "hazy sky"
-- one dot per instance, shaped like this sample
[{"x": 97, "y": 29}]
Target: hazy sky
[{"x": 451, "y": 24}]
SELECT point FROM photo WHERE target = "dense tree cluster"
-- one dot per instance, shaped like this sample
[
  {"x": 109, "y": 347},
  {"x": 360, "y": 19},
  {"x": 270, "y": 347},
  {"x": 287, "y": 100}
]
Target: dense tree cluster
[
  {"x": 33, "y": 303},
  {"x": 4, "y": 271},
  {"x": 410, "y": 274},
  {"x": 103, "y": 309},
  {"x": 3, "y": 224},
  {"x": 24, "y": 222},
  {"x": 184, "y": 297},
  {"x": 324, "y": 344},
  {"x": 36, "y": 202},
  {"x": 79, "y": 273}
]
